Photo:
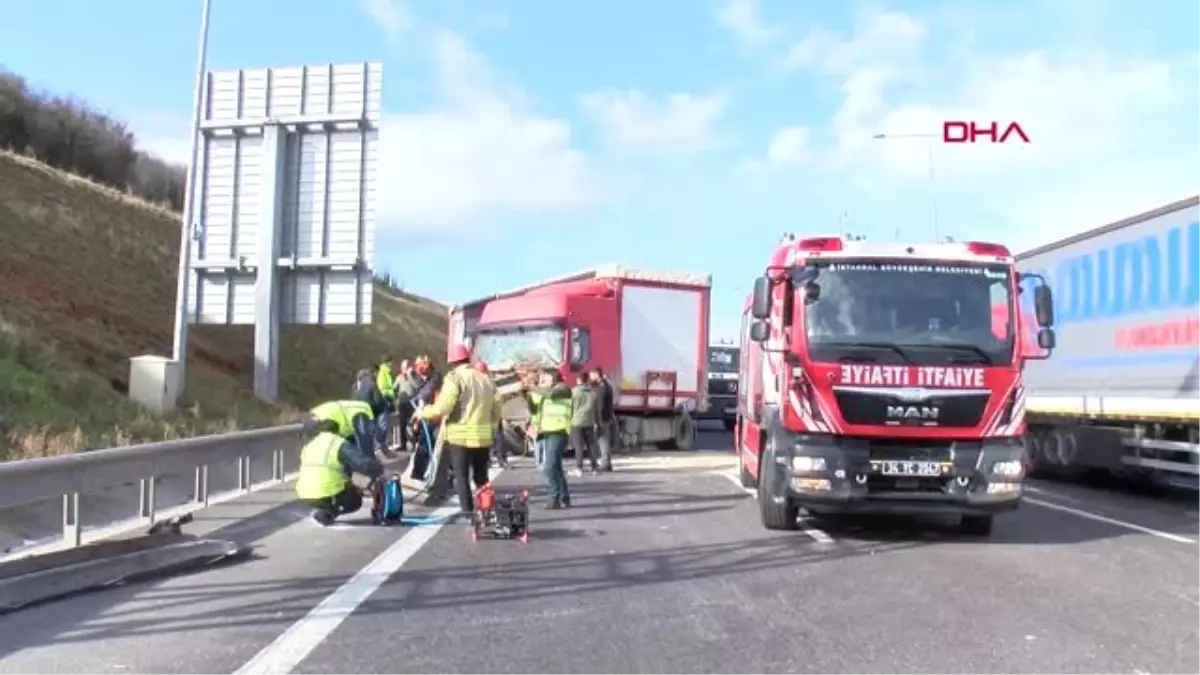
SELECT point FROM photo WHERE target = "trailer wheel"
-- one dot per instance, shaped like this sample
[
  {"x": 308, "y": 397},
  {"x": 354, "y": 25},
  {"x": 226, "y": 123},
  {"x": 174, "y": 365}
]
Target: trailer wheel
[
  {"x": 785, "y": 516},
  {"x": 683, "y": 430},
  {"x": 976, "y": 526}
]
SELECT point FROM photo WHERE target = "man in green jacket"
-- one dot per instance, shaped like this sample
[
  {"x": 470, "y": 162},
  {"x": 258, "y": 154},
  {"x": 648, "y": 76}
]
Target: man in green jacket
[
  {"x": 385, "y": 381},
  {"x": 585, "y": 409}
]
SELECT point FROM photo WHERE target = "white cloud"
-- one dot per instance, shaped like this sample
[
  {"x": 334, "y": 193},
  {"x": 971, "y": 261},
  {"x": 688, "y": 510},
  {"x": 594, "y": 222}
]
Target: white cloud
[
  {"x": 481, "y": 153},
  {"x": 880, "y": 38},
  {"x": 634, "y": 120},
  {"x": 742, "y": 19},
  {"x": 1090, "y": 116},
  {"x": 163, "y": 134},
  {"x": 790, "y": 145},
  {"x": 390, "y": 15}
]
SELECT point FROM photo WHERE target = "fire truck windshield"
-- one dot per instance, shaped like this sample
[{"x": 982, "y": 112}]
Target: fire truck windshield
[
  {"x": 505, "y": 348},
  {"x": 933, "y": 312}
]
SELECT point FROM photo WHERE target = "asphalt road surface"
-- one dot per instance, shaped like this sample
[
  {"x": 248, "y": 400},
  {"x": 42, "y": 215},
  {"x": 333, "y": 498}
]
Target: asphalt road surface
[{"x": 661, "y": 566}]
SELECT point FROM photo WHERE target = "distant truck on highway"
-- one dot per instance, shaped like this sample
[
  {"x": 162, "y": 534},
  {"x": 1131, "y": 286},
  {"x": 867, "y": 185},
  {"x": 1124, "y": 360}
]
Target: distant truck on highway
[
  {"x": 723, "y": 360},
  {"x": 648, "y": 331},
  {"x": 879, "y": 377},
  {"x": 1121, "y": 393}
]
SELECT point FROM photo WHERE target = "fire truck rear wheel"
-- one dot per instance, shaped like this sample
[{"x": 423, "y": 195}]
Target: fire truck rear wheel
[
  {"x": 785, "y": 516},
  {"x": 976, "y": 526}
]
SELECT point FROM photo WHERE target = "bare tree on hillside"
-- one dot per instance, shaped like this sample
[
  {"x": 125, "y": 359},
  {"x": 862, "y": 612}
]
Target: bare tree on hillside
[{"x": 68, "y": 134}]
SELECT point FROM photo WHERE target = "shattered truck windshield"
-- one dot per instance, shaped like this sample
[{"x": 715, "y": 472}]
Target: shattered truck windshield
[
  {"x": 932, "y": 312},
  {"x": 504, "y": 349}
]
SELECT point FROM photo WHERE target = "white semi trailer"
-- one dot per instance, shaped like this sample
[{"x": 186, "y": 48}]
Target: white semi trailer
[{"x": 1120, "y": 394}]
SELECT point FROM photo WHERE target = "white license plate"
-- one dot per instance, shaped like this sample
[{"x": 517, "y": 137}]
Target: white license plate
[
  {"x": 910, "y": 468},
  {"x": 730, "y": 410}
]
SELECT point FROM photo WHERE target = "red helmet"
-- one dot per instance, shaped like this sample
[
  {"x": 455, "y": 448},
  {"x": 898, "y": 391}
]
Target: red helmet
[{"x": 457, "y": 354}]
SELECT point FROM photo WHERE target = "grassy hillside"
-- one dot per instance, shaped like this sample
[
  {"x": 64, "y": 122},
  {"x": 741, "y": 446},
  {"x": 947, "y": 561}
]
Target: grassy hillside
[{"x": 87, "y": 280}]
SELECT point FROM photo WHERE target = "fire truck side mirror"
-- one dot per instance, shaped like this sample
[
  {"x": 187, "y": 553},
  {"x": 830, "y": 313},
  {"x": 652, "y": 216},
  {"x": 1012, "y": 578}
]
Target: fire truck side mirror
[
  {"x": 1043, "y": 305},
  {"x": 1046, "y": 339},
  {"x": 760, "y": 331},
  {"x": 760, "y": 305}
]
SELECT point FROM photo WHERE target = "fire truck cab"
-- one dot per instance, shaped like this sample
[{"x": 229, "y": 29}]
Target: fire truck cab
[{"x": 887, "y": 378}]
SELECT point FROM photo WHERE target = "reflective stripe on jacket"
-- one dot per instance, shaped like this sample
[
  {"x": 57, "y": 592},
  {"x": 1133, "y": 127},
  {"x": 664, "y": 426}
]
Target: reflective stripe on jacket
[
  {"x": 341, "y": 413},
  {"x": 321, "y": 472},
  {"x": 470, "y": 406}
]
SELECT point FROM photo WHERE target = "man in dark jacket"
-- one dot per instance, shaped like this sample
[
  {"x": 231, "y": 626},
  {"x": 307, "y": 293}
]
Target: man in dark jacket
[
  {"x": 366, "y": 390},
  {"x": 606, "y": 418}
]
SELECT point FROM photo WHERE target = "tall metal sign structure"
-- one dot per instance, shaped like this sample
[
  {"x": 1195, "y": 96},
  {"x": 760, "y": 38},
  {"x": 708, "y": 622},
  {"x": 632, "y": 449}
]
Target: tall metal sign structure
[{"x": 284, "y": 216}]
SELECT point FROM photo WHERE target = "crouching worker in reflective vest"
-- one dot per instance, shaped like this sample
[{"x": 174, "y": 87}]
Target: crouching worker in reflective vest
[
  {"x": 470, "y": 407},
  {"x": 344, "y": 444},
  {"x": 326, "y": 465}
]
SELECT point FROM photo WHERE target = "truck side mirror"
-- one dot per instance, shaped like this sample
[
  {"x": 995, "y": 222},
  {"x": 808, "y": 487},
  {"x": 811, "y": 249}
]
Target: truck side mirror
[
  {"x": 581, "y": 348},
  {"x": 760, "y": 331},
  {"x": 1043, "y": 305},
  {"x": 760, "y": 304},
  {"x": 1046, "y": 339}
]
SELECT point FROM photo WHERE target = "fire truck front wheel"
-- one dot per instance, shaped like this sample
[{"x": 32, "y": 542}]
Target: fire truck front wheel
[{"x": 777, "y": 510}]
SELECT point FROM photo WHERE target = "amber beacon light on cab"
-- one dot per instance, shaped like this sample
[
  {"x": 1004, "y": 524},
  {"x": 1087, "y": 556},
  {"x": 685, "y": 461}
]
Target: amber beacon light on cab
[{"x": 887, "y": 378}]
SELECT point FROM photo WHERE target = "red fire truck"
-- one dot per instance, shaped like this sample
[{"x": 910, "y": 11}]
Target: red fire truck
[{"x": 880, "y": 377}]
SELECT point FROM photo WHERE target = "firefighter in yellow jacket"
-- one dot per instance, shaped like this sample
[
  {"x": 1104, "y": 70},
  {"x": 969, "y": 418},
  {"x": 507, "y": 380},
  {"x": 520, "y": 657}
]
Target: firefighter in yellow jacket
[
  {"x": 470, "y": 406},
  {"x": 342, "y": 446}
]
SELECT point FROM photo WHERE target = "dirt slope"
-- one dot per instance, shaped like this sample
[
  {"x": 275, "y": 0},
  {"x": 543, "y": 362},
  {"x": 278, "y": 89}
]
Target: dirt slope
[{"x": 87, "y": 279}]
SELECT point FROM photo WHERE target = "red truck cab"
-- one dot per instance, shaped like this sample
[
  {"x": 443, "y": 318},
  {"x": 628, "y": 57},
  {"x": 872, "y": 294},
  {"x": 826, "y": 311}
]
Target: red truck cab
[{"x": 886, "y": 378}]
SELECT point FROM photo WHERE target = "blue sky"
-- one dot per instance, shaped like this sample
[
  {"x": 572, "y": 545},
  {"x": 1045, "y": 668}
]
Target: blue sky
[{"x": 527, "y": 139}]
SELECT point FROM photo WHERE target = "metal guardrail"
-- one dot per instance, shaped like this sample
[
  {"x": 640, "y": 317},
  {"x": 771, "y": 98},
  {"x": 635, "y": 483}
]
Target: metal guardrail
[{"x": 70, "y": 476}]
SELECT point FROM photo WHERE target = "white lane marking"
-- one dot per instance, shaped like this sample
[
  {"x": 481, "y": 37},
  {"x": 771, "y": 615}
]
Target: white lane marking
[
  {"x": 303, "y": 637},
  {"x": 1111, "y": 521},
  {"x": 815, "y": 534},
  {"x": 1056, "y": 495}
]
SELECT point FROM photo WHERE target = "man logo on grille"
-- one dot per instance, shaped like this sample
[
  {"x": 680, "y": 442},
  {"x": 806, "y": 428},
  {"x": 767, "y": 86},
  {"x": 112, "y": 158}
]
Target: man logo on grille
[{"x": 912, "y": 412}]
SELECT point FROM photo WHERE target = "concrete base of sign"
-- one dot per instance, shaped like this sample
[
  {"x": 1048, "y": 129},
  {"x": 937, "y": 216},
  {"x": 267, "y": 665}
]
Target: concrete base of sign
[{"x": 155, "y": 382}]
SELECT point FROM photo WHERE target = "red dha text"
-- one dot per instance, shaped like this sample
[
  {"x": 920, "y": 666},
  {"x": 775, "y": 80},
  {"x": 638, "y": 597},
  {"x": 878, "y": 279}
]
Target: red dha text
[{"x": 971, "y": 132}]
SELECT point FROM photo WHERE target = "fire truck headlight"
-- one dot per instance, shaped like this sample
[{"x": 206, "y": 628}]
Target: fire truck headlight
[
  {"x": 1009, "y": 469},
  {"x": 808, "y": 464}
]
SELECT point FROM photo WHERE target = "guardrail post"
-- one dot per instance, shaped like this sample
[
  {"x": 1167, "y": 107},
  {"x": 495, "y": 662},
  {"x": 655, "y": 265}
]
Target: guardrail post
[
  {"x": 72, "y": 530},
  {"x": 244, "y": 473},
  {"x": 277, "y": 465},
  {"x": 200, "y": 489},
  {"x": 146, "y": 499}
]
